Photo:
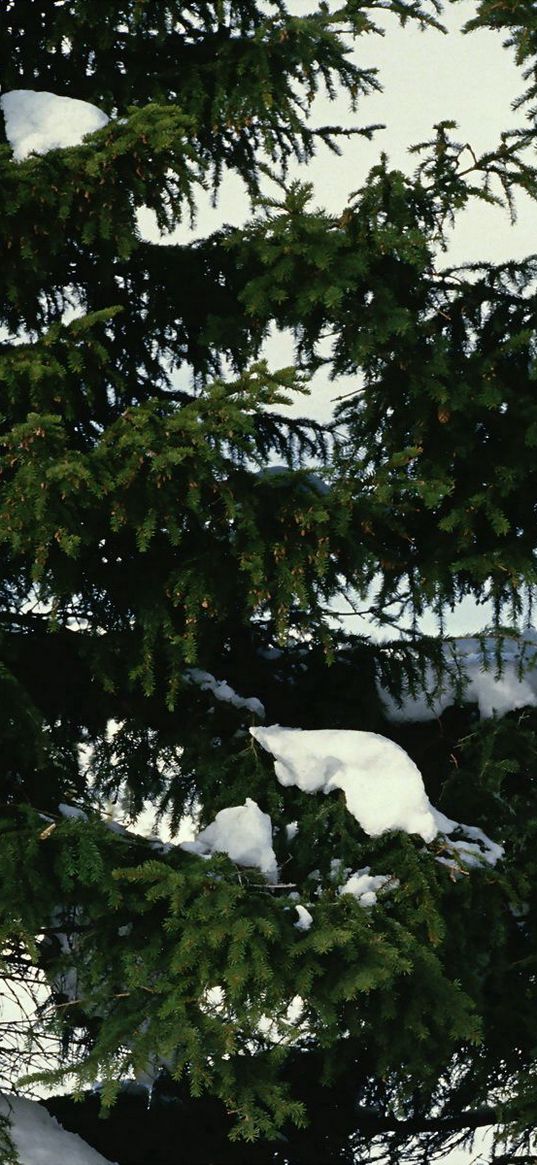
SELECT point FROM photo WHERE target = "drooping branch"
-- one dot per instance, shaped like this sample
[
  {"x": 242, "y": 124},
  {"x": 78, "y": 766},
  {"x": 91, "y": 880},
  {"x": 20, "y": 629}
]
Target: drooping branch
[{"x": 372, "y": 1123}]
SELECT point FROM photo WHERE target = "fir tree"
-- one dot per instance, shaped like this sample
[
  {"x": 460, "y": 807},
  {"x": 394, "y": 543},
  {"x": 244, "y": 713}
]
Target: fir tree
[{"x": 151, "y": 552}]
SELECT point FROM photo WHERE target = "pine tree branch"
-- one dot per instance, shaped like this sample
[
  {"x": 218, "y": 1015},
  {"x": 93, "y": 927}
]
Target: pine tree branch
[{"x": 371, "y": 1122}]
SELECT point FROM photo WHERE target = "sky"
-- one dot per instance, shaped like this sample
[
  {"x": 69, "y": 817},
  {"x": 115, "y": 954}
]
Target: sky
[{"x": 427, "y": 77}]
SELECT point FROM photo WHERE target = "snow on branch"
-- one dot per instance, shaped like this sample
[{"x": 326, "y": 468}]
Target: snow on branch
[
  {"x": 37, "y": 122},
  {"x": 243, "y": 832},
  {"x": 221, "y": 690},
  {"x": 383, "y": 791},
  {"x": 364, "y": 885},
  {"x": 497, "y": 676},
  {"x": 382, "y": 785}
]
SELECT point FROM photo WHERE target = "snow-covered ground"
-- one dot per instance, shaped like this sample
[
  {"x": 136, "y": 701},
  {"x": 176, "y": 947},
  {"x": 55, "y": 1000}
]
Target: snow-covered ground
[{"x": 40, "y": 1140}]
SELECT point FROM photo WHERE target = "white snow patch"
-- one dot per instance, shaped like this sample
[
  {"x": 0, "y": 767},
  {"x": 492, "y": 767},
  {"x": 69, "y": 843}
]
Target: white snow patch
[
  {"x": 72, "y": 811},
  {"x": 473, "y": 848},
  {"x": 40, "y": 1140},
  {"x": 291, "y": 830},
  {"x": 305, "y": 919},
  {"x": 37, "y": 122},
  {"x": 338, "y": 869},
  {"x": 364, "y": 885},
  {"x": 286, "y": 1025},
  {"x": 382, "y": 785},
  {"x": 223, "y": 691},
  {"x": 515, "y": 687},
  {"x": 243, "y": 832},
  {"x": 383, "y": 790}
]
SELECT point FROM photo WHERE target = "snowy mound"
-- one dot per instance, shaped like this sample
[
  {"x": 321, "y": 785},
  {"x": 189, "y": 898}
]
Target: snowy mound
[
  {"x": 38, "y": 122},
  {"x": 40, "y": 1140},
  {"x": 382, "y": 785},
  {"x": 364, "y": 885},
  {"x": 243, "y": 832}
]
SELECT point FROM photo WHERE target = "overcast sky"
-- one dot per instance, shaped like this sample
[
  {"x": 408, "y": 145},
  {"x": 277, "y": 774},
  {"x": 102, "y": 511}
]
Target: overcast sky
[{"x": 426, "y": 77}]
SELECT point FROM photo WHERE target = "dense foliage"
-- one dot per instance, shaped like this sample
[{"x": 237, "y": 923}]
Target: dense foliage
[{"x": 144, "y": 532}]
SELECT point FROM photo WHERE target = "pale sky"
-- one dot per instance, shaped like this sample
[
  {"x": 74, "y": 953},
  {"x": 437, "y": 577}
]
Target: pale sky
[{"x": 427, "y": 77}]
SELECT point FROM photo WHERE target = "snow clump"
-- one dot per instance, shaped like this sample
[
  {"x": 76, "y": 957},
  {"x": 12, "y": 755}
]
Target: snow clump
[
  {"x": 244, "y": 833},
  {"x": 364, "y": 885},
  {"x": 473, "y": 848},
  {"x": 223, "y": 691},
  {"x": 383, "y": 790},
  {"x": 37, "y": 122},
  {"x": 382, "y": 785},
  {"x": 305, "y": 919},
  {"x": 72, "y": 811}
]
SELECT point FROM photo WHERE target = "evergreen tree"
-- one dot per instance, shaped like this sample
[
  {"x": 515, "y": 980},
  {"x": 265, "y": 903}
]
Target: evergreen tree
[{"x": 158, "y": 540}]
